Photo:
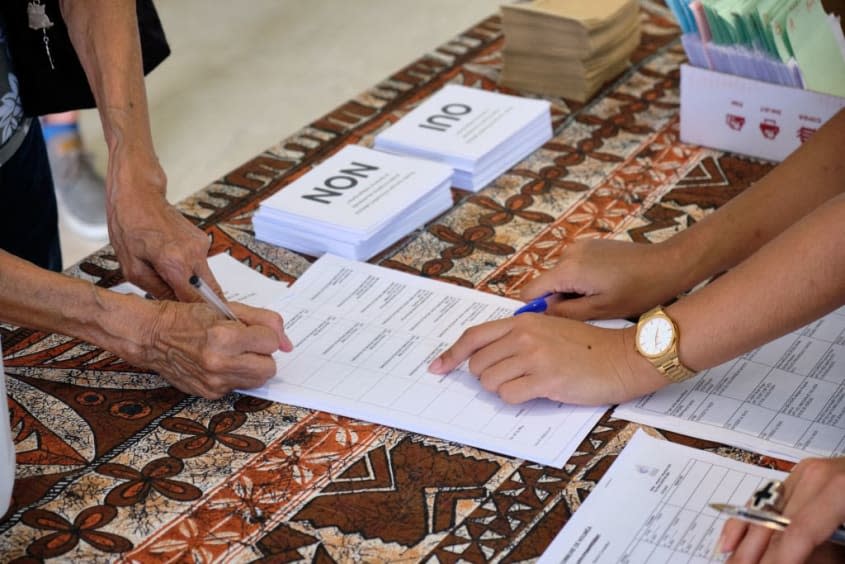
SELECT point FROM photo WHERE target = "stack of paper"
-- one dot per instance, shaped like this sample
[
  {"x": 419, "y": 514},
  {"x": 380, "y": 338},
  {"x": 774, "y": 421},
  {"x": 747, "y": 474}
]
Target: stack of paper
[
  {"x": 566, "y": 47},
  {"x": 478, "y": 133},
  {"x": 354, "y": 204}
]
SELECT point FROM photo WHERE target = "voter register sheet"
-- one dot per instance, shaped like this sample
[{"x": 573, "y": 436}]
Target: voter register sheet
[
  {"x": 653, "y": 505},
  {"x": 784, "y": 399},
  {"x": 363, "y": 338}
]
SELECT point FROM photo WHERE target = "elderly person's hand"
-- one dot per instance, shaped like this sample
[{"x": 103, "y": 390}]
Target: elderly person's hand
[
  {"x": 198, "y": 351},
  {"x": 158, "y": 248},
  {"x": 813, "y": 497}
]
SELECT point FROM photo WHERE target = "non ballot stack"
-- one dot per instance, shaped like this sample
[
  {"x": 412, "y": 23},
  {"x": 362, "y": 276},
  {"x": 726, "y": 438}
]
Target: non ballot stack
[
  {"x": 354, "y": 204},
  {"x": 567, "y": 48},
  {"x": 478, "y": 133}
]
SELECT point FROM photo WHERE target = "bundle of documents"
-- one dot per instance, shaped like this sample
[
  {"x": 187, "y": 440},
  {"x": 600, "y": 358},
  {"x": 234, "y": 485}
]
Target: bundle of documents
[
  {"x": 354, "y": 204},
  {"x": 789, "y": 42},
  {"x": 565, "y": 47},
  {"x": 478, "y": 133}
]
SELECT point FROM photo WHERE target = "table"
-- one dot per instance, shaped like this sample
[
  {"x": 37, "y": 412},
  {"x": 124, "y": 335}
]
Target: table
[{"x": 114, "y": 464}]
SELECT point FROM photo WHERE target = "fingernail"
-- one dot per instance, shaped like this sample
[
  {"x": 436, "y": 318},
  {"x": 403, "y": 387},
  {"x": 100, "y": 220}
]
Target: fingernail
[
  {"x": 720, "y": 544},
  {"x": 436, "y": 365},
  {"x": 285, "y": 344},
  {"x": 717, "y": 548}
]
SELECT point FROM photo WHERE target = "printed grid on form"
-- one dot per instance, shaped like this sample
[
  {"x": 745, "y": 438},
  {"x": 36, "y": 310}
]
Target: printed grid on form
[
  {"x": 682, "y": 527},
  {"x": 356, "y": 331},
  {"x": 790, "y": 392},
  {"x": 363, "y": 339}
]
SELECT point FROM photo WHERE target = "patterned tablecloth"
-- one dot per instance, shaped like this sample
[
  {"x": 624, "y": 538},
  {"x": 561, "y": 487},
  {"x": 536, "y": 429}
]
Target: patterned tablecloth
[{"x": 114, "y": 464}]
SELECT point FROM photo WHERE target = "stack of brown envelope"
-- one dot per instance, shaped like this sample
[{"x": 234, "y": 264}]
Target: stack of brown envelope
[{"x": 568, "y": 48}]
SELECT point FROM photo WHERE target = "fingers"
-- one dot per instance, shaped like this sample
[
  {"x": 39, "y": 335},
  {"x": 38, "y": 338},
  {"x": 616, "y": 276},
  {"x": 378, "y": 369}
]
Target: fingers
[
  {"x": 753, "y": 545},
  {"x": 522, "y": 389},
  {"x": 732, "y": 534},
  {"x": 147, "y": 279},
  {"x": 214, "y": 371},
  {"x": 581, "y": 308},
  {"x": 814, "y": 500},
  {"x": 219, "y": 375},
  {"x": 265, "y": 318},
  {"x": 176, "y": 266},
  {"x": 245, "y": 370},
  {"x": 816, "y": 508},
  {"x": 556, "y": 281},
  {"x": 201, "y": 353},
  {"x": 155, "y": 243},
  {"x": 469, "y": 342},
  {"x": 492, "y": 378},
  {"x": 543, "y": 284},
  {"x": 201, "y": 269}
]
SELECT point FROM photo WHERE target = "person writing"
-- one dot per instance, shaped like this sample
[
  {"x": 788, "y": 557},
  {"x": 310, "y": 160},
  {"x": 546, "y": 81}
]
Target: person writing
[
  {"x": 189, "y": 344},
  {"x": 779, "y": 251}
]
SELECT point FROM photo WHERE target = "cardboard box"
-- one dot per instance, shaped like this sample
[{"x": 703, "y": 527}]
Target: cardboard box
[{"x": 746, "y": 116}]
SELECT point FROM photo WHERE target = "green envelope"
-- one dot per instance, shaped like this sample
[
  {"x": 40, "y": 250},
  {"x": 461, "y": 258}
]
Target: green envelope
[{"x": 812, "y": 36}]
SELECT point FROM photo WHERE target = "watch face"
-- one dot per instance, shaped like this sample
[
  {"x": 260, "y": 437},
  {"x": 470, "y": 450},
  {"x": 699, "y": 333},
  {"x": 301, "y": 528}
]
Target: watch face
[{"x": 655, "y": 336}]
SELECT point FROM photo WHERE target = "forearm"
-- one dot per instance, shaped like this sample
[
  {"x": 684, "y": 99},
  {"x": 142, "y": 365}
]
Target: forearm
[
  {"x": 105, "y": 36},
  {"x": 40, "y": 299},
  {"x": 809, "y": 177},
  {"x": 792, "y": 280},
  {"x": 190, "y": 345}
]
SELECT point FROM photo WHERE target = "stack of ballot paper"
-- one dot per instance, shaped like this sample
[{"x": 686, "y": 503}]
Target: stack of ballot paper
[
  {"x": 478, "y": 133},
  {"x": 354, "y": 204},
  {"x": 565, "y": 47}
]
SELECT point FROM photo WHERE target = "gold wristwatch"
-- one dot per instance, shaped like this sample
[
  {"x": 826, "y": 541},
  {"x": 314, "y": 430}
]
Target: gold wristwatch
[{"x": 657, "y": 340}]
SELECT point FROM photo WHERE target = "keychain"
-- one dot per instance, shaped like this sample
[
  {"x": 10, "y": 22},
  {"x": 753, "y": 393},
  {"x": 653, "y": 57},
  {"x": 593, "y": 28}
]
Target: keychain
[{"x": 37, "y": 13}]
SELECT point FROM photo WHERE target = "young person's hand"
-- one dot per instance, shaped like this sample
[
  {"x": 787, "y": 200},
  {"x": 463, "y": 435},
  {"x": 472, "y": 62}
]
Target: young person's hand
[
  {"x": 538, "y": 356},
  {"x": 612, "y": 279}
]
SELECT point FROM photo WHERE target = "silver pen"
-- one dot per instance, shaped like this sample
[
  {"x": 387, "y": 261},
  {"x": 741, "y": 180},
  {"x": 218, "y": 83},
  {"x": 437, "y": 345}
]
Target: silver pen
[
  {"x": 769, "y": 519},
  {"x": 211, "y": 298}
]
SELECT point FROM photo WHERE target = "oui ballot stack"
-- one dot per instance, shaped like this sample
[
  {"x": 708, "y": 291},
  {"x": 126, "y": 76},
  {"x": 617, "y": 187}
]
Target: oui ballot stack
[
  {"x": 354, "y": 204},
  {"x": 478, "y": 133}
]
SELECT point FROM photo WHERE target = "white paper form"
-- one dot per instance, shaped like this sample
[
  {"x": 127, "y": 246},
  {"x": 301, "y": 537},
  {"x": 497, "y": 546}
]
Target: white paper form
[
  {"x": 784, "y": 399},
  {"x": 363, "y": 339},
  {"x": 240, "y": 283},
  {"x": 652, "y": 506}
]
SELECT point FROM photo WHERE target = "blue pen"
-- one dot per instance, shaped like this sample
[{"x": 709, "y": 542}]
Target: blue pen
[{"x": 537, "y": 305}]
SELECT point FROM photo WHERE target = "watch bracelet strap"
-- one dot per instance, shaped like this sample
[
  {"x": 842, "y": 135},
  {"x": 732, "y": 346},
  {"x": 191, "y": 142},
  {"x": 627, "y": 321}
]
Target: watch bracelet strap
[{"x": 675, "y": 371}]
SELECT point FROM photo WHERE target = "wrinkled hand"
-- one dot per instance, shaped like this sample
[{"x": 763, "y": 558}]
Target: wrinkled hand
[
  {"x": 201, "y": 353},
  {"x": 158, "y": 248},
  {"x": 614, "y": 279},
  {"x": 814, "y": 499},
  {"x": 533, "y": 356}
]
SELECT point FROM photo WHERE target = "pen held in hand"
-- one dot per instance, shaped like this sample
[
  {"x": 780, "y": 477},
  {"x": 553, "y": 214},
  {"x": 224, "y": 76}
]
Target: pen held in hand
[
  {"x": 768, "y": 519},
  {"x": 541, "y": 303},
  {"x": 211, "y": 298},
  {"x": 537, "y": 305}
]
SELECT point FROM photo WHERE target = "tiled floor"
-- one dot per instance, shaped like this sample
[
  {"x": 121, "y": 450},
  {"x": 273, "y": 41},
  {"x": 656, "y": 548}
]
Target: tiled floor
[{"x": 245, "y": 75}]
